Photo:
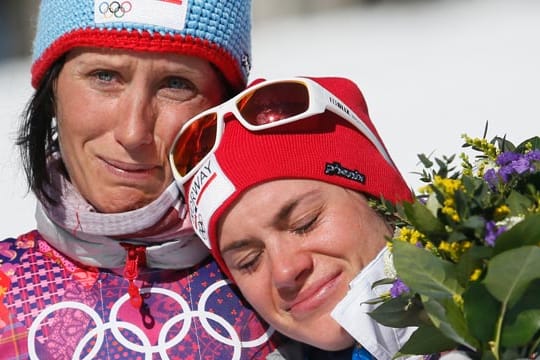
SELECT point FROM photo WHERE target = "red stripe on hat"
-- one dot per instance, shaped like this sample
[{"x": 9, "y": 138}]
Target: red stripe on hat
[
  {"x": 139, "y": 41},
  {"x": 204, "y": 187}
]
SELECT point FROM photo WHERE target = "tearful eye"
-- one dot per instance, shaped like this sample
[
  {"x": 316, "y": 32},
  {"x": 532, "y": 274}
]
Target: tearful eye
[
  {"x": 245, "y": 262},
  {"x": 178, "y": 88},
  {"x": 179, "y": 83},
  {"x": 104, "y": 75},
  {"x": 305, "y": 225}
]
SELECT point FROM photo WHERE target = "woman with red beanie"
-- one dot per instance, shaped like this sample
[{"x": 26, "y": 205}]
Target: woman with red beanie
[
  {"x": 114, "y": 269},
  {"x": 280, "y": 183}
]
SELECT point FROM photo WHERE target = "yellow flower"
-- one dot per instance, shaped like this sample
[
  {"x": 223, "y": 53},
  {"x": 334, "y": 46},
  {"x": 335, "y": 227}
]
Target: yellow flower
[
  {"x": 475, "y": 275},
  {"x": 426, "y": 189},
  {"x": 447, "y": 186},
  {"x": 409, "y": 235},
  {"x": 454, "y": 249},
  {"x": 449, "y": 209},
  {"x": 483, "y": 145},
  {"x": 501, "y": 212},
  {"x": 458, "y": 300},
  {"x": 444, "y": 246}
]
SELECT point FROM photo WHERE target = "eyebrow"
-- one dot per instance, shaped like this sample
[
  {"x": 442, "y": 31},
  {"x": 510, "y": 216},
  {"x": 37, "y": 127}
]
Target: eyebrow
[
  {"x": 285, "y": 211},
  {"x": 237, "y": 245},
  {"x": 279, "y": 218}
]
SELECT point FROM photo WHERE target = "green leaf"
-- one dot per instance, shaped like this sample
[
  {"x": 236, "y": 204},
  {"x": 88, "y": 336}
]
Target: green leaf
[
  {"x": 526, "y": 232},
  {"x": 462, "y": 204},
  {"x": 412, "y": 263},
  {"x": 426, "y": 340},
  {"x": 522, "y": 330},
  {"x": 472, "y": 259},
  {"x": 456, "y": 236},
  {"x": 521, "y": 321},
  {"x": 474, "y": 222},
  {"x": 425, "y": 161},
  {"x": 474, "y": 226},
  {"x": 518, "y": 203},
  {"x": 534, "y": 141},
  {"x": 422, "y": 219},
  {"x": 503, "y": 144},
  {"x": 510, "y": 272},
  {"x": 450, "y": 320},
  {"x": 482, "y": 311},
  {"x": 400, "y": 312}
]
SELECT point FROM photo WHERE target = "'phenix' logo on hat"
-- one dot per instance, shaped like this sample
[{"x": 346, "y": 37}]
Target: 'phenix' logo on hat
[
  {"x": 337, "y": 169},
  {"x": 209, "y": 189}
]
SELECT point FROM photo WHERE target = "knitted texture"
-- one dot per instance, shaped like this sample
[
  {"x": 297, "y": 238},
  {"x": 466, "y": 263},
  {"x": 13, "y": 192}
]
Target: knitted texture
[
  {"x": 52, "y": 307},
  {"x": 216, "y": 30},
  {"x": 323, "y": 147}
]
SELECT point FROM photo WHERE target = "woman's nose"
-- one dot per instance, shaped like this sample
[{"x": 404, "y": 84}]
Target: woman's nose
[
  {"x": 290, "y": 269},
  {"x": 135, "y": 120}
]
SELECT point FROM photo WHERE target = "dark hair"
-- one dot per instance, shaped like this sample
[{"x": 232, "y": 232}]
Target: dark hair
[{"x": 36, "y": 134}]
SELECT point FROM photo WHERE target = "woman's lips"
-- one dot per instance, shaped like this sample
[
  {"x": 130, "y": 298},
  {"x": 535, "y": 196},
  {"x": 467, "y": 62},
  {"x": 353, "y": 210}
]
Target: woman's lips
[
  {"x": 315, "y": 296},
  {"x": 129, "y": 170}
]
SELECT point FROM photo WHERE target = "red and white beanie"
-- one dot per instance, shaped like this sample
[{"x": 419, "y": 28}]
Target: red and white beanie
[
  {"x": 323, "y": 147},
  {"x": 216, "y": 30}
]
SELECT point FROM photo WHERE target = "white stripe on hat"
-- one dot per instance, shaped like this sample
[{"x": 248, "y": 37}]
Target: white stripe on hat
[
  {"x": 209, "y": 179},
  {"x": 146, "y": 12}
]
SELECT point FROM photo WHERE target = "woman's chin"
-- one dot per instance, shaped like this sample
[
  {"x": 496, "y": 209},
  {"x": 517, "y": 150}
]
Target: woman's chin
[
  {"x": 325, "y": 336},
  {"x": 122, "y": 201}
]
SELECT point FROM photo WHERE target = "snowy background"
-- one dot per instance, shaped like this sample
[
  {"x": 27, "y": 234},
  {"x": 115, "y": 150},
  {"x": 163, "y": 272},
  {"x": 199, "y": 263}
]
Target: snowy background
[{"x": 430, "y": 71}]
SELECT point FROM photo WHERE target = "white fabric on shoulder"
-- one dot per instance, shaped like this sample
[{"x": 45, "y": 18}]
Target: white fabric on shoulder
[{"x": 352, "y": 313}]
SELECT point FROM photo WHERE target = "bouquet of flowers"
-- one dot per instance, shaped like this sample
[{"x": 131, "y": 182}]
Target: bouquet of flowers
[{"x": 466, "y": 255}]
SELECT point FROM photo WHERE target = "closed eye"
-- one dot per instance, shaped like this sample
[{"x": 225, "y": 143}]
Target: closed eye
[
  {"x": 243, "y": 255},
  {"x": 305, "y": 225},
  {"x": 249, "y": 263}
]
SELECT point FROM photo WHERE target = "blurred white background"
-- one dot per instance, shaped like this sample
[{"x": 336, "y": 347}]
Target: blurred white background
[{"x": 430, "y": 70}]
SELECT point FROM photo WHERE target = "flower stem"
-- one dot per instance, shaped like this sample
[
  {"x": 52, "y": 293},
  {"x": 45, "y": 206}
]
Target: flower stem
[
  {"x": 535, "y": 345},
  {"x": 494, "y": 345}
]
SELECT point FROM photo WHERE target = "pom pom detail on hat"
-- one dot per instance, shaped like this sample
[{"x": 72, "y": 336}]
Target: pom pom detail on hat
[
  {"x": 216, "y": 30},
  {"x": 324, "y": 147}
]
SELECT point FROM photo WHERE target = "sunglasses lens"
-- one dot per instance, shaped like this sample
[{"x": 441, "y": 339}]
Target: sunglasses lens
[
  {"x": 194, "y": 143},
  {"x": 274, "y": 102},
  {"x": 271, "y": 103}
]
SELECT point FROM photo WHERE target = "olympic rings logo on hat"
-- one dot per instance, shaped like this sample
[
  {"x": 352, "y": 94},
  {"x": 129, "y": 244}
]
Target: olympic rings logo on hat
[{"x": 115, "y": 8}]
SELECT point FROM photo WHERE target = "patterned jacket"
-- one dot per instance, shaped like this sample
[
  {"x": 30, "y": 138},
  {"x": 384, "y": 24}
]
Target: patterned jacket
[{"x": 54, "y": 308}]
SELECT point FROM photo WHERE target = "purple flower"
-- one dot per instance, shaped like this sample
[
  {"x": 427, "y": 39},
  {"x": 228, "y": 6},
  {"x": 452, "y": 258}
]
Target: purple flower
[
  {"x": 511, "y": 164},
  {"x": 493, "y": 232},
  {"x": 491, "y": 178},
  {"x": 398, "y": 288},
  {"x": 522, "y": 165},
  {"x": 506, "y": 158},
  {"x": 533, "y": 155}
]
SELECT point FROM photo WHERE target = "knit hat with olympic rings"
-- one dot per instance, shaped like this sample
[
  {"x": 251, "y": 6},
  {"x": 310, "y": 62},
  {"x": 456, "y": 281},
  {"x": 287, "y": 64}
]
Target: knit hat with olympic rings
[{"x": 216, "y": 30}]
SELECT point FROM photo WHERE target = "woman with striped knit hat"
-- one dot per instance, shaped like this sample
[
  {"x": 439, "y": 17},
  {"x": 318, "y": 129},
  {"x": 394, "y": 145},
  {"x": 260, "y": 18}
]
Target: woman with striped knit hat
[{"x": 113, "y": 269}]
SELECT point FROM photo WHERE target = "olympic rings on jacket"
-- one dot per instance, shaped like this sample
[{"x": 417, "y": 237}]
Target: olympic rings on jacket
[{"x": 115, "y": 8}]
